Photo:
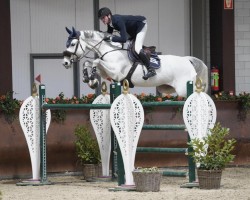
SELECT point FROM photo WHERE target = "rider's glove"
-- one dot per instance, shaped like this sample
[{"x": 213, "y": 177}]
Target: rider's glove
[{"x": 107, "y": 38}]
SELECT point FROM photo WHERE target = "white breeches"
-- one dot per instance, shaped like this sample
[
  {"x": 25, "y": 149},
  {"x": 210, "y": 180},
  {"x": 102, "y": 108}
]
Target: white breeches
[{"x": 139, "y": 40}]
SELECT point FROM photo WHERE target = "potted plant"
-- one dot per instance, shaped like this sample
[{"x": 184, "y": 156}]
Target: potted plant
[
  {"x": 147, "y": 179},
  {"x": 9, "y": 107},
  {"x": 211, "y": 155},
  {"x": 88, "y": 152}
]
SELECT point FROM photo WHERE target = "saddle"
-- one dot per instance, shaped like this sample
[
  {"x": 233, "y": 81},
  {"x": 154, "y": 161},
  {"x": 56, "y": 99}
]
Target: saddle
[
  {"x": 133, "y": 56},
  {"x": 149, "y": 51}
]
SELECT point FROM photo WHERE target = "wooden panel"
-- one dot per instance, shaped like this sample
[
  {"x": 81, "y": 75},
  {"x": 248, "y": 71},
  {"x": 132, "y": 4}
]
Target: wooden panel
[
  {"x": 222, "y": 43},
  {"x": 5, "y": 48}
]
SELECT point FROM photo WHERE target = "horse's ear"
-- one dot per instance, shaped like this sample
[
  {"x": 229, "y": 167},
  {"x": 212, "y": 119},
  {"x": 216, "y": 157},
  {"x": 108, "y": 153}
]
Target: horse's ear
[
  {"x": 74, "y": 31},
  {"x": 69, "y": 31}
]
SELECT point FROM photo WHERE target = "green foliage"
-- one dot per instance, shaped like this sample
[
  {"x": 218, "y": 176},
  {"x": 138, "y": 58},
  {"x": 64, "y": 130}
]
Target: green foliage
[
  {"x": 243, "y": 100},
  {"x": 157, "y": 98},
  {"x": 86, "y": 146},
  {"x": 214, "y": 151},
  {"x": 244, "y": 105},
  {"x": 224, "y": 96},
  {"x": 59, "y": 115},
  {"x": 9, "y": 106}
]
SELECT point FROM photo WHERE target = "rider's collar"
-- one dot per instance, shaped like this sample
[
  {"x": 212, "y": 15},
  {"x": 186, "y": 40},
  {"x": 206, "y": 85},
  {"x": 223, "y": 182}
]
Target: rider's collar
[{"x": 110, "y": 24}]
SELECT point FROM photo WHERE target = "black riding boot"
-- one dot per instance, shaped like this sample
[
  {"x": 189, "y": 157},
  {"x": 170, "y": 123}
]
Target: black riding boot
[{"x": 146, "y": 62}]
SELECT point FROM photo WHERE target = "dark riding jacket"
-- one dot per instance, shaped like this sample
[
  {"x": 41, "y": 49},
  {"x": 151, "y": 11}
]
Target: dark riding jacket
[{"x": 128, "y": 25}]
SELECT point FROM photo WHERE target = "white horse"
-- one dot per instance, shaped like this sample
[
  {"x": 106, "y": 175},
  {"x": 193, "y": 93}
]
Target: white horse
[{"x": 113, "y": 62}]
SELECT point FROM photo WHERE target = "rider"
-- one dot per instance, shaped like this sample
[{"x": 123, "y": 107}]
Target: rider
[{"x": 134, "y": 26}]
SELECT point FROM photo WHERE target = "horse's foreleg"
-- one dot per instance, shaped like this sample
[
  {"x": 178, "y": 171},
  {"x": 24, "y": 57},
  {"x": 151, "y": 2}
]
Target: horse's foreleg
[
  {"x": 92, "y": 75},
  {"x": 85, "y": 77},
  {"x": 93, "y": 81}
]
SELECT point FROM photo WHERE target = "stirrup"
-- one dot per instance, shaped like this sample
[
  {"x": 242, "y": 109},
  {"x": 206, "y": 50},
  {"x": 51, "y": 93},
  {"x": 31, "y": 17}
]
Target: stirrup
[{"x": 150, "y": 73}]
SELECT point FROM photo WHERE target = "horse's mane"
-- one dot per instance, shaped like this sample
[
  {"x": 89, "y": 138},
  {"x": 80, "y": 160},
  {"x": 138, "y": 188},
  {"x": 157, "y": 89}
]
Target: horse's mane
[
  {"x": 98, "y": 35},
  {"x": 93, "y": 34}
]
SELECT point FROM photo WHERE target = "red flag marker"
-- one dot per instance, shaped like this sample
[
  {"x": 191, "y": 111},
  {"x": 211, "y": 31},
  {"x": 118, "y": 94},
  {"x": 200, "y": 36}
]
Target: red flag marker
[{"x": 38, "y": 78}]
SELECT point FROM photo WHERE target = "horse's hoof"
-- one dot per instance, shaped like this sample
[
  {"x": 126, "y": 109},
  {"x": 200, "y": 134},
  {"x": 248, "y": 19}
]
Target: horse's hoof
[
  {"x": 93, "y": 84},
  {"x": 85, "y": 79},
  {"x": 92, "y": 77},
  {"x": 66, "y": 65}
]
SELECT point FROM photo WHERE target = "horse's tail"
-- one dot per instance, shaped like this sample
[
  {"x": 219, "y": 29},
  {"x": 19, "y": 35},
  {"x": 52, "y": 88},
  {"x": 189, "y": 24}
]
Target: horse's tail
[{"x": 201, "y": 70}]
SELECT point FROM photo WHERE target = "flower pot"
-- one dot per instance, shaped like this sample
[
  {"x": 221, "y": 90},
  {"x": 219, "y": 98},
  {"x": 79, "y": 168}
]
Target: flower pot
[
  {"x": 147, "y": 181},
  {"x": 209, "y": 179},
  {"x": 91, "y": 171}
]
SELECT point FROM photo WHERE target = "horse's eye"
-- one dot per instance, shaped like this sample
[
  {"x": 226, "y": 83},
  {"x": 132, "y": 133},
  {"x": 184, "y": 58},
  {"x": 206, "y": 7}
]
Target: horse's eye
[{"x": 72, "y": 44}]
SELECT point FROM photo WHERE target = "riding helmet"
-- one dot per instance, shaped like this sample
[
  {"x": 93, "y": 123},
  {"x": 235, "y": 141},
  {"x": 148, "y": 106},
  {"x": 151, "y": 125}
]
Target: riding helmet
[{"x": 104, "y": 12}]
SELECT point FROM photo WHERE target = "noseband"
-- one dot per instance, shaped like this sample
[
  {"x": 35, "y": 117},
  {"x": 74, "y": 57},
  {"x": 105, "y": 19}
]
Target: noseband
[{"x": 69, "y": 54}]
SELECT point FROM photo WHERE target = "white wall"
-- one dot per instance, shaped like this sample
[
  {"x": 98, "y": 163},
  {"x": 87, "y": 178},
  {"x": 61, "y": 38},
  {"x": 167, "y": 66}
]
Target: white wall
[
  {"x": 38, "y": 26},
  {"x": 242, "y": 45}
]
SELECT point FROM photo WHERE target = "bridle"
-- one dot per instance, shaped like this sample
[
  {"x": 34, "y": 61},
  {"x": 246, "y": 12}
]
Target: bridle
[
  {"x": 69, "y": 54},
  {"x": 93, "y": 48}
]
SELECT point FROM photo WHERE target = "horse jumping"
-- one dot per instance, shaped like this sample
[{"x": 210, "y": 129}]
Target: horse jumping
[{"x": 113, "y": 63}]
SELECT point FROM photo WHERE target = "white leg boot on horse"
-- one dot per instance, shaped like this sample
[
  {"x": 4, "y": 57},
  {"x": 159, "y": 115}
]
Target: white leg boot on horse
[{"x": 146, "y": 62}]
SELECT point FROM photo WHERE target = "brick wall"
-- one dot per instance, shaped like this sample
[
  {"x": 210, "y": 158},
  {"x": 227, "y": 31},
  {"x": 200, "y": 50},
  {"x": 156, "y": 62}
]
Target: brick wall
[{"x": 242, "y": 45}]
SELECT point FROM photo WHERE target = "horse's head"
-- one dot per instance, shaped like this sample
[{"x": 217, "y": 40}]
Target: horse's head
[{"x": 75, "y": 47}]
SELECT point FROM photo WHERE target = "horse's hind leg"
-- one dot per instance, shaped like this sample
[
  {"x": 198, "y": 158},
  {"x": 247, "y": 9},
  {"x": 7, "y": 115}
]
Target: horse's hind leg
[{"x": 167, "y": 89}]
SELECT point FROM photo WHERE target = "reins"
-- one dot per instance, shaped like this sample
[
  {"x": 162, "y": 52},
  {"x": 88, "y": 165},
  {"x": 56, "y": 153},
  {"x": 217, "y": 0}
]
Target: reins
[
  {"x": 93, "y": 48},
  {"x": 112, "y": 51},
  {"x": 99, "y": 53}
]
